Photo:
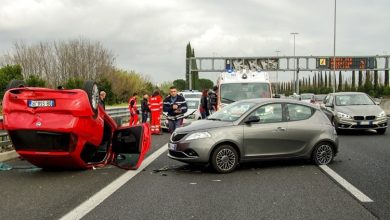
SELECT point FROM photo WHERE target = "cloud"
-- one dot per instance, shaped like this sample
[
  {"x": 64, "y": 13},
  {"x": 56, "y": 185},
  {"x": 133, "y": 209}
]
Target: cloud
[{"x": 150, "y": 36}]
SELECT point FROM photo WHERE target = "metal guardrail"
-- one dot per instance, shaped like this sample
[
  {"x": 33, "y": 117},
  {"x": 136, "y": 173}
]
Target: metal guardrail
[{"x": 117, "y": 113}]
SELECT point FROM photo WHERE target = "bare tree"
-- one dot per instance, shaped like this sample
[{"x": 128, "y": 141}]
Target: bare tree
[{"x": 59, "y": 61}]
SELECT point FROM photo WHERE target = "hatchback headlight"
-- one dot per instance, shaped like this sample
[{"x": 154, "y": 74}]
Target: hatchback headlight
[
  {"x": 382, "y": 114},
  {"x": 343, "y": 115},
  {"x": 198, "y": 135}
]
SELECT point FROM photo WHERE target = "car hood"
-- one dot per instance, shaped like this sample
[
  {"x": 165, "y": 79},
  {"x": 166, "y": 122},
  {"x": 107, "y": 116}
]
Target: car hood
[
  {"x": 359, "y": 110},
  {"x": 203, "y": 125}
]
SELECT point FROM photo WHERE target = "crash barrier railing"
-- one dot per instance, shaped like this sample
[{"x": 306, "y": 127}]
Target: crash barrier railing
[
  {"x": 4, "y": 139},
  {"x": 116, "y": 113}
]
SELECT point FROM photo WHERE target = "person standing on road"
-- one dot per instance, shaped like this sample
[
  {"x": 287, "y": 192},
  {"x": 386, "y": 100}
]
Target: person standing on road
[
  {"x": 203, "y": 107},
  {"x": 145, "y": 108},
  {"x": 102, "y": 96},
  {"x": 133, "y": 110},
  {"x": 212, "y": 100},
  {"x": 156, "y": 107},
  {"x": 175, "y": 105}
]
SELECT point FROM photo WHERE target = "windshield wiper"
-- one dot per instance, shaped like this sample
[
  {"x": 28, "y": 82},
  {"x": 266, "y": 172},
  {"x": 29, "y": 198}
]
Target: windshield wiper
[
  {"x": 230, "y": 100},
  {"x": 214, "y": 119}
]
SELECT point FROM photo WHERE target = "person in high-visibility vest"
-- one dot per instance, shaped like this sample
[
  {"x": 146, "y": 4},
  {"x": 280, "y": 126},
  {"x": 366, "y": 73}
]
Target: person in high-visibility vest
[
  {"x": 133, "y": 110},
  {"x": 155, "y": 106}
]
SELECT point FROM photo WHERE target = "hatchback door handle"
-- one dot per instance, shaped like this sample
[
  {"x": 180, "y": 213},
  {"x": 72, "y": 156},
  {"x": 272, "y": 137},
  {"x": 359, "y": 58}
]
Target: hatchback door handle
[{"x": 280, "y": 129}]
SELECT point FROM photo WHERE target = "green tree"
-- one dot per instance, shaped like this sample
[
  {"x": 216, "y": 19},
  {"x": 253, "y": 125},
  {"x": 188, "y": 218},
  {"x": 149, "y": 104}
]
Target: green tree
[
  {"x": 326, "y": 80},
  {"x": 74, "y": 83},
  {"x": 340, "y": 86},
  {"x": 180, "y": 84},
  {"x": 387, "y": 78},
  {"x": 353, "y": 81},
  {"x": 105, "y": 85},
  {"x": 164, "y": 88},
  {"x": 360, "y": 79},
  {"x": 35, "y": 81},
  {"x": 375, "y": 79},
  {"x": 205, "y": 84},
  {"x": 8, "y": 73}
]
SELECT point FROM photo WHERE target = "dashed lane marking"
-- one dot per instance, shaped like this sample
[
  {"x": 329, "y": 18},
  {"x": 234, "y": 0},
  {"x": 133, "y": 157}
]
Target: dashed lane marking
[
  {"x": 347, "y": 186},
  {"x": 87, "y": 206}
]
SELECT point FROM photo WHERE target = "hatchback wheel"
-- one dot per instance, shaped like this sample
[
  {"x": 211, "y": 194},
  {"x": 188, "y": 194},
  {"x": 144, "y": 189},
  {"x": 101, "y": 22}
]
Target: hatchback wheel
[
  {"x": 323, "y": 153},
  {"x": 224, "y": 159},
  {"x": 90, "y": 87}
]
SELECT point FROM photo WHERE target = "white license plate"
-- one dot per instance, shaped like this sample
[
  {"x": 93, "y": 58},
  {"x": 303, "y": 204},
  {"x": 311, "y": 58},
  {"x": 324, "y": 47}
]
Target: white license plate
[
  {"x": 364, "y": 123},
  {"x": 41, "y": 103},
  {"x": 172, "y": 146}
]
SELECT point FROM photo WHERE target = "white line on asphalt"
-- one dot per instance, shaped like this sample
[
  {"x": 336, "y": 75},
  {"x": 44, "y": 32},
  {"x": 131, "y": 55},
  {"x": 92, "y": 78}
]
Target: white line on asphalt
[
  {"x": 344, "y": 183},
  {"x": 99, "y": 197}
]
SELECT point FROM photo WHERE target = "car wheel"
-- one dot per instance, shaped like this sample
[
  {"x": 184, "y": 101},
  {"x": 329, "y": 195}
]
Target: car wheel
[
  {"x": 90, "y": 87},
  {"x": 323, "y": 153},
  {"x": 381, "y": 130},
  {"x": 15, "y": 83},
  {"x": 224, "y": 159}
]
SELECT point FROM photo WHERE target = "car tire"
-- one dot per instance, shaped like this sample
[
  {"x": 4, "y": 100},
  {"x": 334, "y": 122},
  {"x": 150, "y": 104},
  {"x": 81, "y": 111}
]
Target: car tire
[
  {"x": 323, "y": 153},
  {"x": 381, "y": 130},
  {"x": 90, "y": 87},
  {"x": 224, "y": 159},
  {"x": 15, "y": 83}
]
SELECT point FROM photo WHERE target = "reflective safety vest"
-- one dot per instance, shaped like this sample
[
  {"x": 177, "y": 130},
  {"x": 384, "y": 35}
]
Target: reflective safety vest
[{"x": 155, "y": 104}]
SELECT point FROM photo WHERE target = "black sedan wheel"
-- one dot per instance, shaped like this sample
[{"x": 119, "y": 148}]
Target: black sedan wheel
[
  {"x": 323, "y": 154},
  {"x": 224, "y": 159}
]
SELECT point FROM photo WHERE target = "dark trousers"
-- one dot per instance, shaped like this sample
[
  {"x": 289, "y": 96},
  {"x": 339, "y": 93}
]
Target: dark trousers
[{"x": 145, "y": 116}]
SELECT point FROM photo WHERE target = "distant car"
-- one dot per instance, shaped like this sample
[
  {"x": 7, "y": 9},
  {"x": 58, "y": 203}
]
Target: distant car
[
  {"x": 318, "y": 99},
  {"x": 193, "y": 112},
  {"x": 354, "y": 111},
  {"x": 256, "y": 129},
  {"x": 306, "y": 97},
  {"x": 191, "y": 94},
  {"x": 61, "y": 128}
]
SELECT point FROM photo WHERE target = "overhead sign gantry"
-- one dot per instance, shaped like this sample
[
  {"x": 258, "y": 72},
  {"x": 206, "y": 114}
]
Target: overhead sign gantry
[{"x": 286, "y": 63}]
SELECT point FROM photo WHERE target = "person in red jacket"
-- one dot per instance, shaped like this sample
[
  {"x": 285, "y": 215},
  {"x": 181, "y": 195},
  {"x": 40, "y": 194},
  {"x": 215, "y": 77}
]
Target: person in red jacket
[
  {"x": 155, "y": 106},
  {"x": 133, "y": 110}
]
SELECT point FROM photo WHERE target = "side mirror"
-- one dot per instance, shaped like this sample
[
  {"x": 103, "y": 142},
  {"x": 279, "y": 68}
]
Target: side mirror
[
  {"x": 329, "y": 105},
  {"x": 252, "y": 119}
]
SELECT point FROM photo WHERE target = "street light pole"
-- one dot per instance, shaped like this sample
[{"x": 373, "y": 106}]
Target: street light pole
[
  {"x": 277, "y": 72},
  {"x": 296, "y": 79},
  {"x": 334, "y": 48}
]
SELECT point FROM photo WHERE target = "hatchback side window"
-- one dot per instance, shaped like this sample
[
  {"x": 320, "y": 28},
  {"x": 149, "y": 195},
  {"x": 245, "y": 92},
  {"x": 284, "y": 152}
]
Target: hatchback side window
[
  {"x": 298, "y": 112},
  {"x": 269, "y": 113}
]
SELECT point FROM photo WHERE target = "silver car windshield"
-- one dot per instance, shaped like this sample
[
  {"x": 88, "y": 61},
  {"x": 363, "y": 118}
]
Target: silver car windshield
[
  {"x": 232, "y": 92},
  {"x": 231, "y": 112},
  {"x": 353, "y": 99}
]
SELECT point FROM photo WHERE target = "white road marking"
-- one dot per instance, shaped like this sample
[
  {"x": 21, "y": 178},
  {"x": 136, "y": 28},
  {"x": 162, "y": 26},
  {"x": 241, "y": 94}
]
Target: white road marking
[
  {"x": 99, "y": 197},
  {"x": 344, "y": 183}
]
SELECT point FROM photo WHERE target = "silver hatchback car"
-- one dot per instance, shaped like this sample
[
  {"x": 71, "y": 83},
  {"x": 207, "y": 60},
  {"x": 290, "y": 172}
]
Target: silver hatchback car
[{"x": 256, "y": 129}]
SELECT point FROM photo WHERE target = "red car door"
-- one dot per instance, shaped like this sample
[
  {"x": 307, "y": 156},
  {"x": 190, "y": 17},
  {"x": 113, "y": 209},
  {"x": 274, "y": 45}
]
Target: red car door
[{"x": 130, "y": 145}]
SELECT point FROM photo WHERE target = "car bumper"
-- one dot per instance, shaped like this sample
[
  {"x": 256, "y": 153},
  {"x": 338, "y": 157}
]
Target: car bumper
[
  {"x": 194, "y": 151},
  {"x": 362, "y": 125}
]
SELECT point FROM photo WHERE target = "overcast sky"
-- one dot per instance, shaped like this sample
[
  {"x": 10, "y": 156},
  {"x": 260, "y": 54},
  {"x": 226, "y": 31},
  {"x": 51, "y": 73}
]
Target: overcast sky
[{"x": 150, "y": 36}]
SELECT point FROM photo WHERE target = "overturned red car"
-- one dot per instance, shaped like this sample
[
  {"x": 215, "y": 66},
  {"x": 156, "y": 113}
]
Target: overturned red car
[{"x": 60, "y": 128}]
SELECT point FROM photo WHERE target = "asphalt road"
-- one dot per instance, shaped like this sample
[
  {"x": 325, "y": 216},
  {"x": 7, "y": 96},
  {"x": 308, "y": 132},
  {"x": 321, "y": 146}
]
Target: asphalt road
[{"x": 168, "y": 189}]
